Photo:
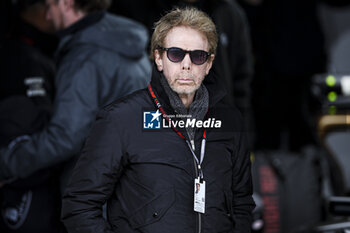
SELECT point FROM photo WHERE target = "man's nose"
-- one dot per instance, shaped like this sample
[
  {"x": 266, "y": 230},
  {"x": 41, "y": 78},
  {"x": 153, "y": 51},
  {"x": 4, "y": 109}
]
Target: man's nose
[
  {"x": 48, "y": 16},
  {"x": 47, "y": 13},
  {"x": 186, "y": 62}
]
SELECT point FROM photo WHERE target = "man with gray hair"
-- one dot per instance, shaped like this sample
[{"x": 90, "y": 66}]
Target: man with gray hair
[{"x": 171, "y": 157}]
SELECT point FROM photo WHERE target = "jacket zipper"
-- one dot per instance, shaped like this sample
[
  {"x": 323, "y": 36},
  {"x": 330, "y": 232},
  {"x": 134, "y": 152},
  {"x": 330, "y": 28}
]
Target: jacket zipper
[
  {"x": 192, "y": 143},
  {"x": 199, "y": 223},
  {"x": 199, "y": 214},
  {"x": 197, "y": 175}
]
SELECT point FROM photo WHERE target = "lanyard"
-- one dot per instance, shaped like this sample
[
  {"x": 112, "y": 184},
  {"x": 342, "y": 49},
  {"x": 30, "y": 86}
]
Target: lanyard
[{"x": 198, "y": 162}]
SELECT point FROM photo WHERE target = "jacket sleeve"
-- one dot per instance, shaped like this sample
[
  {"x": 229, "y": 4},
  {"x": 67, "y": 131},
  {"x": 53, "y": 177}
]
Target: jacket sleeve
[
  {"x": 93, "y": 179},
  {"x": 243, "y": 203},
  {"x": 75, "y": 108},
  {"x": 241, "y": 49},
  {"x": 244, "y": 71}
]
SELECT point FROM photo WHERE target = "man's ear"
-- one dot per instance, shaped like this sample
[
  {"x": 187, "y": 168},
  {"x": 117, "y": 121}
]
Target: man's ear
[
  {"x": 158, "y": 60},
  {"x": 209, "y": 63}
]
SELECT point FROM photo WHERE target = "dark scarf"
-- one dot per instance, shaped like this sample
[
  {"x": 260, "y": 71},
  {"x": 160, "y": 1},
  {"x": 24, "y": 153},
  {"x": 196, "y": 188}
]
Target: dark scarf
[{"x": 197, "y": 110}]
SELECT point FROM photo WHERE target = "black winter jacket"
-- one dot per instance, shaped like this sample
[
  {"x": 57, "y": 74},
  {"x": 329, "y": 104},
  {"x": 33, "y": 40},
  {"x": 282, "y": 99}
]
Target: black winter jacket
[
  {"x": 97, "y": 65},
  {"x": 147, "y": 177}
]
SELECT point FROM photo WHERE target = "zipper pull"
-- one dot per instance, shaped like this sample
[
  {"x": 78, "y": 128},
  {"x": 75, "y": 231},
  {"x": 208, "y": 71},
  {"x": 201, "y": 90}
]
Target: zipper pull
[
  {"x": 200, "y": 173},
  {"x": 193, "y": 147}
]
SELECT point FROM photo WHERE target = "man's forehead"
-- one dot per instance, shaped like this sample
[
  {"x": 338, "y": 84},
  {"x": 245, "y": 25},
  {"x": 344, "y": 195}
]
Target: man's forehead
[{"x": 183, "y": 36}]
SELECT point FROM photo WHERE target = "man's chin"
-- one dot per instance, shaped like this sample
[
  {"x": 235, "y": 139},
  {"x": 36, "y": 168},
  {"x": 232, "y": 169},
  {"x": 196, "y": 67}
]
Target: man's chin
[{"x": 188, "y": 90}]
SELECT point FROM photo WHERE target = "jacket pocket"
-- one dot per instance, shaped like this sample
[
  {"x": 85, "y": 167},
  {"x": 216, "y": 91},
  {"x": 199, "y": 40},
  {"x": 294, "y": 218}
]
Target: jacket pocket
[{"x": 153, "y": 210}]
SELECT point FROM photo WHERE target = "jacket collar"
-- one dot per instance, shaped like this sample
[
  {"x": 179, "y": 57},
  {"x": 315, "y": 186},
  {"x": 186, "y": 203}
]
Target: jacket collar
[
  {"x": 85, "y": 22},
  {"x": 215, "y": 89},
  {"x": 66, "y": 35}
]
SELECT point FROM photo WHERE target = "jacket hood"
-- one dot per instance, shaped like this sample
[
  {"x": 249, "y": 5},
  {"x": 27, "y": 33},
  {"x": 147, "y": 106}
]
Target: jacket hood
[{"x": 114, "y": 33}]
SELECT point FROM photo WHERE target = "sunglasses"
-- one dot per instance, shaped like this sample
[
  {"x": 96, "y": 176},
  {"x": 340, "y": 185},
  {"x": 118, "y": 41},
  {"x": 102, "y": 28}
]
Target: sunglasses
[{"x": 198, "y": 57}]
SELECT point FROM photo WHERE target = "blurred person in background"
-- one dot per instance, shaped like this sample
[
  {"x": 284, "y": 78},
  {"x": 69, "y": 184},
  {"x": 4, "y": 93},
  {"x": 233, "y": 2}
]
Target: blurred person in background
[
  {"x": 100, "y": 58},
  {"x": 27, "y": 74},
  {"x": 234, "y": 61}
]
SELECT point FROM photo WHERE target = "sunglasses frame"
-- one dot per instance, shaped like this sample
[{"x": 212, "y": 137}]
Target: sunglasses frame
[{"x": 190, "y": 52}]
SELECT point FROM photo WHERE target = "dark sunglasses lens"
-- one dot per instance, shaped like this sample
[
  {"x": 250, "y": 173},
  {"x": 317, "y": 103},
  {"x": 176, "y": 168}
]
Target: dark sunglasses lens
[
  {"x": 175, "y": 54},
  {"x": 198, "y": 57}
]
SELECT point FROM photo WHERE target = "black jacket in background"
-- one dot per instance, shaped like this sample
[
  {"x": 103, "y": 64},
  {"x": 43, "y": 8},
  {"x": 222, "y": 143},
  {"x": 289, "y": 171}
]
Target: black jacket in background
[
  {"x": 147, "y": 177},
  {"x": 26, "y": 84},
  {"x": 96, "y": 65},
  {"x": 26, "y": 91}
]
